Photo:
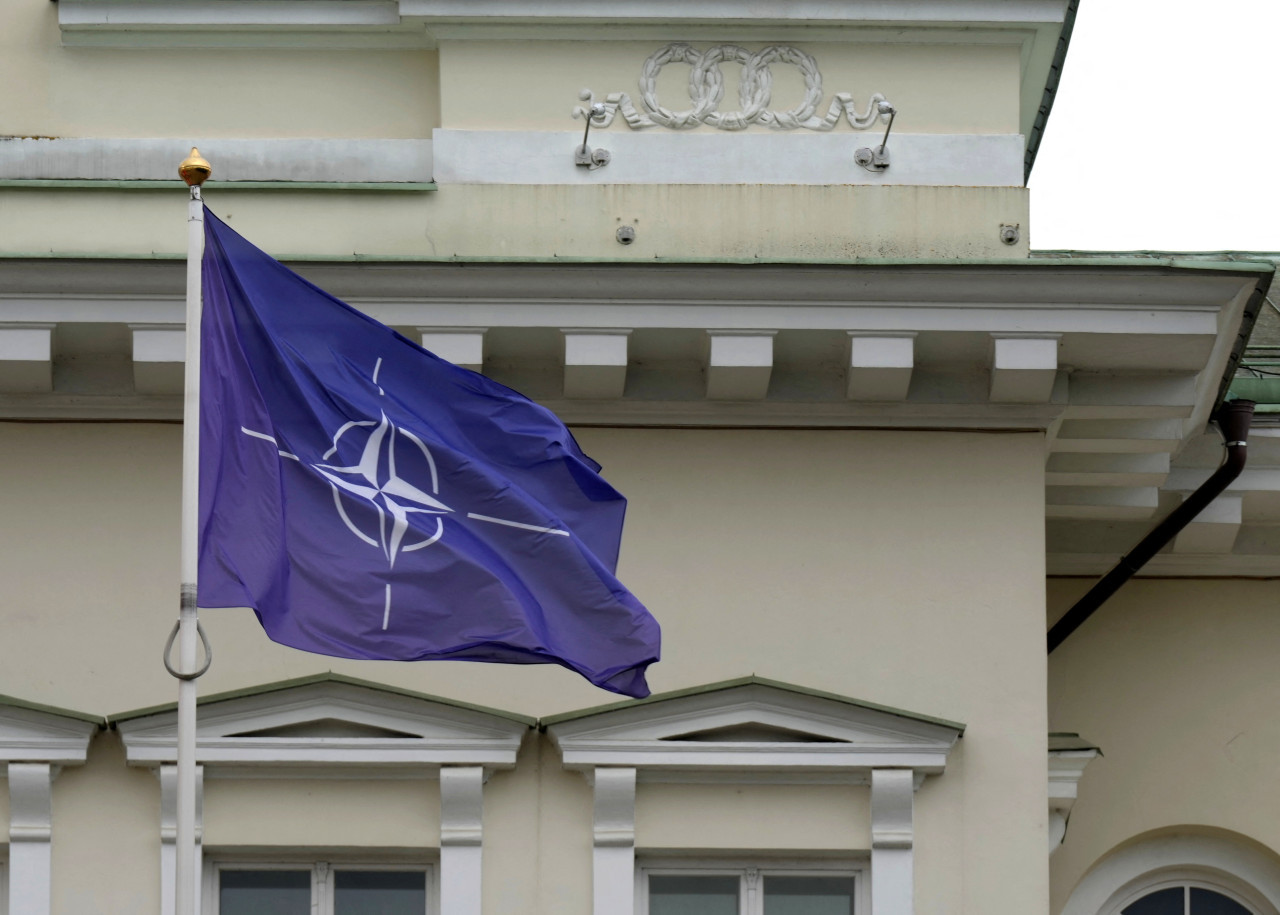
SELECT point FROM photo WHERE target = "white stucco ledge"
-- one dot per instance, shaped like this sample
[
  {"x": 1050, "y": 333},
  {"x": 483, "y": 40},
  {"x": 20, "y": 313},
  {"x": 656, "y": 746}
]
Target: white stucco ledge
[
  {"x": 753, "y": 729},
  {"x": 30, "y": 732},
  {"x": 683, "y": 157},
  {"x": 308, "y": 163},
  {"x": 329, "y": 721},
  {"x": 1069, "y": 754}
]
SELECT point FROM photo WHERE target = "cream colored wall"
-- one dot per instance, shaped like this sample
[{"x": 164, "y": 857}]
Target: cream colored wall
[
  {"x": 781, "y": 817},
  {"x": 1175, "y": 680},
  {"x": 534, "y": 85},
  {"x": 738, "y": 221},
  {"x": 106, "y": 831},
  {"x": 900, "y": 568},
  {"x": 318, "y": 812},
  {"x": 54, "y": 91}
]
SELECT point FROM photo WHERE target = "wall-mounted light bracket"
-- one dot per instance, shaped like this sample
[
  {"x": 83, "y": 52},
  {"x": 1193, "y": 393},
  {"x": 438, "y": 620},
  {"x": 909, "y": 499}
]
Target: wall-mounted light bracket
[
  {"x": 584, "y": 155},
  {"x": 876, "y": 158}
]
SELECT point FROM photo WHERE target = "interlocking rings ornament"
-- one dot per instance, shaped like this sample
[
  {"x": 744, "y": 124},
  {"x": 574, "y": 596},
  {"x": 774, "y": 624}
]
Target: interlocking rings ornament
[{"x": 706, "y": 92}]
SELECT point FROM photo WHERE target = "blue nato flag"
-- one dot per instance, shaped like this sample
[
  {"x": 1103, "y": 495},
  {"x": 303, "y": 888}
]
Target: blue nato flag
[{"x": 370, "y": 500}]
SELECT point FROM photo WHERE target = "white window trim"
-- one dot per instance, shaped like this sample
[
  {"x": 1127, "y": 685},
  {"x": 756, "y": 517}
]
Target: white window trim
[
  {"x": 1216, "y": 860},
  {"x": 858, "y": 867},
  {"x": 35, "y": 743},
  {"x": 460, "y": 745},
  {"x": 322, "y": 868},
  {"x": 1066, "y": 768},
  {"x": 1177, "y": 878},
  {"x": 720, "y": 733}
]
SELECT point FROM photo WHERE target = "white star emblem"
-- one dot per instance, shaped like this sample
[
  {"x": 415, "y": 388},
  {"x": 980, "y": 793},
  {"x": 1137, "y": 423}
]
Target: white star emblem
[{"x": 392, "y": 497}]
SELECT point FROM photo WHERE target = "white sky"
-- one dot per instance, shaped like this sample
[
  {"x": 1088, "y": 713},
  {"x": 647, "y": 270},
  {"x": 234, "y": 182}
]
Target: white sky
[{"x": 1164, "y": 133}]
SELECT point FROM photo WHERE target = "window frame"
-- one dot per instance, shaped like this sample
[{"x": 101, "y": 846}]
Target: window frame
[
  {"x": 856, "y": 866},
  {"x": 321, "y": 867},
  {"x": 1173, "y": 878}
]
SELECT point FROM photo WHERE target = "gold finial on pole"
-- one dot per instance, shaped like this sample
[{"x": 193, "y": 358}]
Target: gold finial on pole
[{"x": 195, "y": 169}]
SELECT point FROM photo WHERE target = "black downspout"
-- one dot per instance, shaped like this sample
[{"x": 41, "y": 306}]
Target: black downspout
[{"x": 1233, "y": 421}]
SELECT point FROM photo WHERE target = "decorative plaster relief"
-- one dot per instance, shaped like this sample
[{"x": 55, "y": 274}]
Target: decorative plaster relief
[{"x": 706, "y": 89}]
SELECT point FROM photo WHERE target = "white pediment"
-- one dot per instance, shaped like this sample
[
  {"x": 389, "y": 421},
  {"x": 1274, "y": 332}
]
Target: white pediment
[
  {"x": 752, "y": 725},
  {"x": 329, "y": 721},
  {"x": 32, "y": 733}
]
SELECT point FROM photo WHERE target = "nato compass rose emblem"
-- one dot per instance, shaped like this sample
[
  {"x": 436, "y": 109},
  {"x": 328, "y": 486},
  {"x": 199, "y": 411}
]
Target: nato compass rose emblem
[{"x": 375, "y": 481}]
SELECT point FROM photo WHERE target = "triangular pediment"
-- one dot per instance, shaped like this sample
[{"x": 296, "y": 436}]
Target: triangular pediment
[
  {"x": 329, "y": 719},
  {"x": 752, "y": 724},
  {"x": 327, "y": 728},
  {"x": 752, "y": 732}
]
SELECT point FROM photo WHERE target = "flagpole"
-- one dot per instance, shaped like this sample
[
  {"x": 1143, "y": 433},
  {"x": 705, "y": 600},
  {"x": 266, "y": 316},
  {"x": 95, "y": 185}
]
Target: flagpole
[{"x": 194, "y": 170}]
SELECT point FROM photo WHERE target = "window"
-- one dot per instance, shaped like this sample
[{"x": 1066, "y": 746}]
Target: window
[
  {"x": 1186, "y": 898},
  {"x": 771, "y": 888},
  {"x": 4, "y": 886},
  {"x": 319, "y": 888}
]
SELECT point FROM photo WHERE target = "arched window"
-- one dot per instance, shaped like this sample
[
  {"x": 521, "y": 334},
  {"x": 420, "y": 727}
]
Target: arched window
[
  {"x": 1181, "y": 874},
  {"x": 1185, "y": 897}
]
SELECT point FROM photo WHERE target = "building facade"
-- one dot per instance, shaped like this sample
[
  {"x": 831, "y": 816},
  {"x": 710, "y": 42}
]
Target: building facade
[{"x": 772, "y": 264}]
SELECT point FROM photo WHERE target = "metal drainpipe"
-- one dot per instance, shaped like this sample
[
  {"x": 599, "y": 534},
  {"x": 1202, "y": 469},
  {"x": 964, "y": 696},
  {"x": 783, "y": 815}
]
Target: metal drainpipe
[{"x": 1233, "y": 421}]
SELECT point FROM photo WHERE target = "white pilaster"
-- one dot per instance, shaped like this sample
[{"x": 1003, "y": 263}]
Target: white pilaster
[
  {"x": 880, "y": 365},
  {"x": 30, "y": 838},
  {"x": 26, "y": 358},
  {"x": 595, "y": 362},
  {"x": 168, "y": 775},
  {"x": 614, "y": 837},
  {"x": 462, "y": 346},
  {"x": 739, "y": 364},
  {"x": 1023, "y": 368},
  {"x": 461, "y": 839},
  {"x": 892, "y": 838},
  {"x": 159, "y": 354}
]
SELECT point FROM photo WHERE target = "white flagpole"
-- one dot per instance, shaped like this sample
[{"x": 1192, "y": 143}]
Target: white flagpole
[{"x": 194, "y": 170}]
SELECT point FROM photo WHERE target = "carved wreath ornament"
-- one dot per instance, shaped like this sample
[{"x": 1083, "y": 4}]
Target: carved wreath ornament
[{"x": 706, "y": 91}]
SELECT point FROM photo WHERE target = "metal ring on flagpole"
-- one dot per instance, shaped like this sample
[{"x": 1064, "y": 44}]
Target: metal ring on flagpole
[{"x": 208, "y": 653}]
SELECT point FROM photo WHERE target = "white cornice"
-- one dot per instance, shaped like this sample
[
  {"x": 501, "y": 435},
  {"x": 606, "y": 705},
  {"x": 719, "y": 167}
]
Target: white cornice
[
  {"x": 375, "y": 728},
  {"x": 705, "y": 733},
  {"x": 387, "y": 24},
  {"x": 880, "y": 12},
  {"x": 317, "y": 160},
  {"x": 28, "y": 735}
]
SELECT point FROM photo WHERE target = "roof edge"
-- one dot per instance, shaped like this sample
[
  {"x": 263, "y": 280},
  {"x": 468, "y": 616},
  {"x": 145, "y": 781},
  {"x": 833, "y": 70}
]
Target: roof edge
[
  {"x": 1240, "y": 262},
  {"x": 751, "y": 680},
  {"x": 1050, "y": 89},
  {"x": 14, "y": 702},
  {"x": 311, "y": 680}
]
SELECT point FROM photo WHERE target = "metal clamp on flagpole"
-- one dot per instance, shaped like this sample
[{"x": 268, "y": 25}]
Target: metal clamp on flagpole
[{"x": 204, "y": 642}]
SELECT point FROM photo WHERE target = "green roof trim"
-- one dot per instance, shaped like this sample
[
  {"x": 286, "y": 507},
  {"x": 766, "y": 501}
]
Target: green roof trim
[
  {"x": 114, "y": 184},
  {"x": 12, "y": 702},
  {"x": 1262, "y": 264},
  {"x": 1050, "y": 89},
  {"x": 327, "y": 677},
  {"x": 752, "y": 680},
  {"x": 1262, "y": 391},
  {"x": 1066, "y": 741}
]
